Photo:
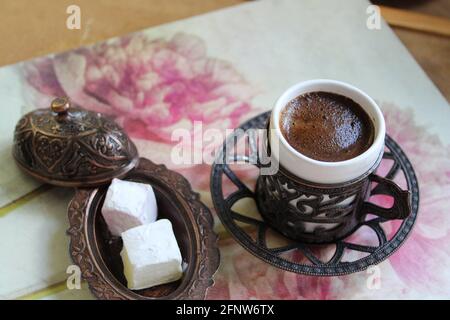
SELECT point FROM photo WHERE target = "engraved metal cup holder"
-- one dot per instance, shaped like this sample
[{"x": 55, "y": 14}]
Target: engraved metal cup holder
[{"x": 233, "y": 189}]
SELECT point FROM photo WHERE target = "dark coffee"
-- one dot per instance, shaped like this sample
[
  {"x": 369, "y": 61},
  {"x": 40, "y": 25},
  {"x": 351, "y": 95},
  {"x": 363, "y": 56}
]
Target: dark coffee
[{"x": 326, "y": 126}]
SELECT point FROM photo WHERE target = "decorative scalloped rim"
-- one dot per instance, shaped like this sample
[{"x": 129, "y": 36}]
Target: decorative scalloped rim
[{"x": 82, "y": 255}]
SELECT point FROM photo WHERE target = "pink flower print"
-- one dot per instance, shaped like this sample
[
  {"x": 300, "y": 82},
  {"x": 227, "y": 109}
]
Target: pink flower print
[
  {"x": 423, "y": 260},
  {"x": 150, "y": 87}
]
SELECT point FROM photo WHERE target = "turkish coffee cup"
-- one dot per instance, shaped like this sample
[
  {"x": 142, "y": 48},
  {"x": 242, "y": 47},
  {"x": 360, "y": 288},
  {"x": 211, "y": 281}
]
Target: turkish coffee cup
[{"x": 315, "y": 201}]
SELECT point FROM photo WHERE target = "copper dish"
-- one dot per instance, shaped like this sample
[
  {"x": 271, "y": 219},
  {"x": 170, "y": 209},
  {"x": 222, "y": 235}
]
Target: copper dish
[
  {"x": 66, "y": 145},
  {"x": 96, "y": 251}
]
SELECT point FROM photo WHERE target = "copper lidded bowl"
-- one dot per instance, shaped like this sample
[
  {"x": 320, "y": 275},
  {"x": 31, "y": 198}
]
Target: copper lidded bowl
[
  {"x": 72, "y": 147},
  {"x": 68, "y": 146}
]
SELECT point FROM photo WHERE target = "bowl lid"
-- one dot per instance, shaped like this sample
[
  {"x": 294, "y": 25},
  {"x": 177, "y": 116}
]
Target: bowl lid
[{"x": 68, "y": 146}]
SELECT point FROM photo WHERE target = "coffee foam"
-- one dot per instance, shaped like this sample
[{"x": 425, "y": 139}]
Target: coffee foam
[{"x": 326, "y": 126}]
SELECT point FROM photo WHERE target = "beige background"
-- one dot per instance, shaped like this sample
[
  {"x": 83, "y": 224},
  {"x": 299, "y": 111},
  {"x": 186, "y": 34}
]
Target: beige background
[{"x": 33, "y": 28}]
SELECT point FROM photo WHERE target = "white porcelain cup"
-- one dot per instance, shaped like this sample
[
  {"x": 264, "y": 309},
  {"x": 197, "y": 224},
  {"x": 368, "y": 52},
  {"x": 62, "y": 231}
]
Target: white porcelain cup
[
  {"x": 320, "y": 171},
  {"x": 321, "y": 202}
]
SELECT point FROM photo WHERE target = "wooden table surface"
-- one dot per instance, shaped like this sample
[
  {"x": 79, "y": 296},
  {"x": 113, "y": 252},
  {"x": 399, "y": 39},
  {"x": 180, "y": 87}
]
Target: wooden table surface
[{"x": 29, "y": 30}]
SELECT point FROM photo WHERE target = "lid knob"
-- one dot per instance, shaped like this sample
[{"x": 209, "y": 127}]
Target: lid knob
[{"x": 60, "y": 105}]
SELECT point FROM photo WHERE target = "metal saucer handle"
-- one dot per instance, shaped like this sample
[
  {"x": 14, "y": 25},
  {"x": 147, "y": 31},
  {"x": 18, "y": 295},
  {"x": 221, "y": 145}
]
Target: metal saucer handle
[{"x": 401, "y": 208}]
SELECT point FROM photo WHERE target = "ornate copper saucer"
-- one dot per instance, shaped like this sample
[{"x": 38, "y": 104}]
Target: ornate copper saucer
[{"x": 345, "y": 256}]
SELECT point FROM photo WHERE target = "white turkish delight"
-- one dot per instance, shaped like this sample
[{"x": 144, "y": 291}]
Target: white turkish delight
[
  {"x": 127, "y": 205},
  {"x": 151, "y": 255}
]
